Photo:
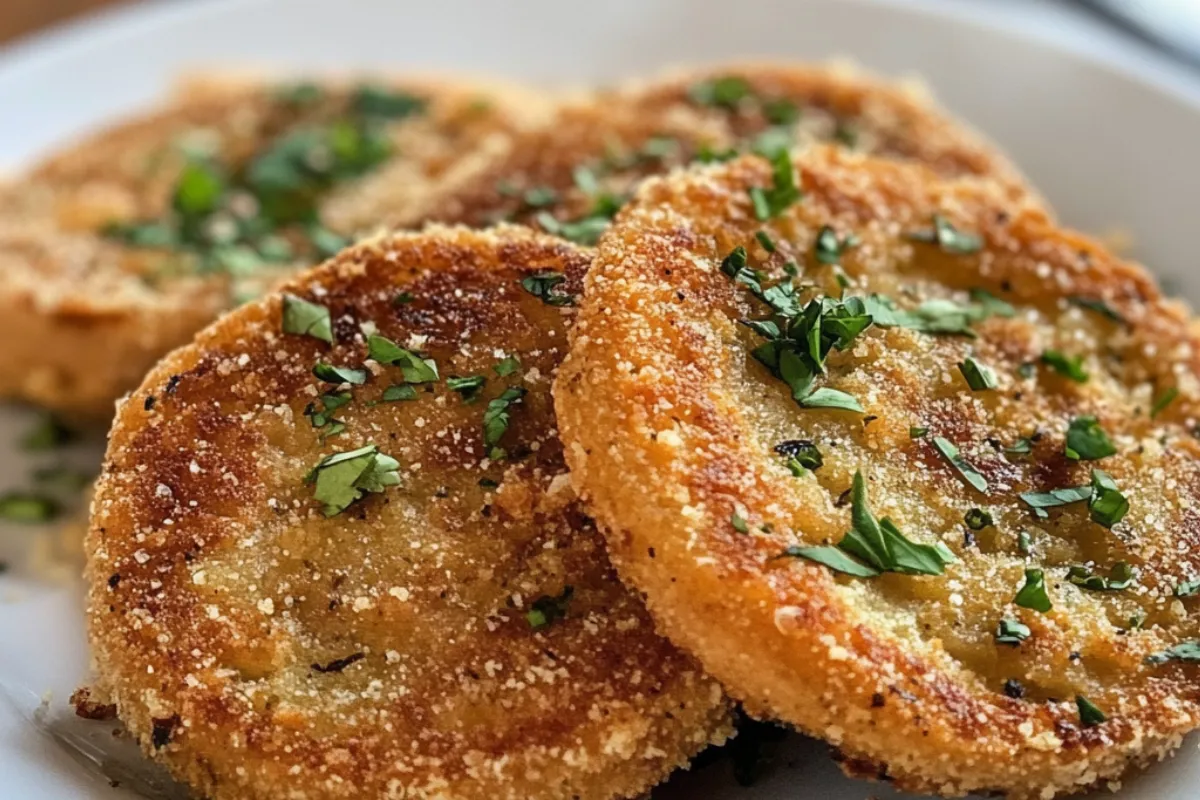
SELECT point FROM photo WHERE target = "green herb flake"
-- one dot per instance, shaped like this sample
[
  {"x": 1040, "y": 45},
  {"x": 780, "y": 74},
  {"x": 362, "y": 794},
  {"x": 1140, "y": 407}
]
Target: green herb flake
[
  {"x": 1012, "y": 632},
  {"x": 1099, "y": 307},
  {"x": 1162, "y": 401},
  {"x": 1065, "y": 365},
  {"x": 979, "y": 376},
  {"x": 831, "y": 398},
  {"x": 343, "y": 478},
  {"x": 399, "y": 391},
  {"x": 547, "y": 609},
  {"x": 766, "y": 241},
  {"x": 1087, "y": 441},
  {"x": 1184, "y": 652},
  {"x": 949, "y": 238},
  {"x": 414, "y": 368},
  {"x": 1021, "y": 447},
  {"x": 1033, "y": 593},
  {"x": 1024, "y": 543},
  {"x": 784, "y": 191},
  {"x": 724, "y": 92},
  {"x": 827, "y": 247},
  {"x": 507, "y": 366},
  {"x": 881, "y": 545},
  {"x": 1107, "y": 505},
  {"x": 1120, "y": 576},
  {"x": 977, "y": 519},
  {"x": 1089, "y": 714},
  {"x": 468, "y": 387},
  {"x": 802, "y": 451},
  {"x": 916, "y": 432},
  {"x": 738, "y": 523},
  {"x": 338, "y": 375},
  {"x": 991, "y": 305},
  {"x": 27, "y": 508},
  {"x": 403, "y": 298},
  {"x": 378, "y": 101},
  {"x": 964, "y": 468},
  {"x": 496, "y": 418},
  {"x": 832, "y": 557},
  {"x": 780, "y": 111},
  {"x": 1187, "y": 588},
  {"x": 305, "y": 318},
  {"x": 542, "y": 286}
]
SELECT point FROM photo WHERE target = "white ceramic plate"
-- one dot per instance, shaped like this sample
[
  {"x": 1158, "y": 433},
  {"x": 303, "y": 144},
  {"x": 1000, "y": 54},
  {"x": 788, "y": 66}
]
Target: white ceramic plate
[{"x": 1111, "y": 148}]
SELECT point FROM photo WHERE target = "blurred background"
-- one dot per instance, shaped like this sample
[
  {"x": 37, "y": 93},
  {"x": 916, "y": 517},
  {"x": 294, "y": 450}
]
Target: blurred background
[{"x": 1168, "y": 26}]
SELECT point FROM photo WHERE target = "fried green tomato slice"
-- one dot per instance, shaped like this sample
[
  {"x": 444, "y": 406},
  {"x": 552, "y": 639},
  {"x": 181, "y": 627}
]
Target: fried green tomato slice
[
  {"x": 903, "y": 464},
  {"x": 123, "y": 245},
  {"x": 334, "y": 552},
  {"x": 570, "y": 175}
]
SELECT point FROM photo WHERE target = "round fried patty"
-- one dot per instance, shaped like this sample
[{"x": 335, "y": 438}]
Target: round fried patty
[
  {"x": 125, "y": 244},
  {"x": 913, "y": 469},
  {"x": 570, "y": 175},
  {"x": 358, "y": 570}
]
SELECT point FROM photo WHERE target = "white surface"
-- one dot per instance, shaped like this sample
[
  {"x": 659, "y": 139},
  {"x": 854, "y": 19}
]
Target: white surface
[{"x": 1109, "y": 145}]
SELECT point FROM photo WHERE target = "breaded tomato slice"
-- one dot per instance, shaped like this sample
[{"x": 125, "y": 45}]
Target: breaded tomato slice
[
  {"x": 570, "y": 175},
  {"x": 903, "y": 464},
  {"x": 334, "y": 552},
  {"x": 125, "y": 244}
]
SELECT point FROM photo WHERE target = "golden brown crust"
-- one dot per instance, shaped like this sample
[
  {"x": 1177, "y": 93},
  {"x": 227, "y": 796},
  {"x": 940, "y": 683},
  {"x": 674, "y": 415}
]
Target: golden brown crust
[
  {"x": 649, "y": 127},
  {"x": 94, "y": 313},
  {"x": 262, "y": 650},
  {"x": 670, "y": 424}
]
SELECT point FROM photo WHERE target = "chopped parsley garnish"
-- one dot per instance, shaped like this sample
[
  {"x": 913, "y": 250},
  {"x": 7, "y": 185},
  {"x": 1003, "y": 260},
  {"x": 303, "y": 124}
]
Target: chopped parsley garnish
[
  {"x": 507, "y": 366},
  {"x": 980, "y": 377},
  {"x": 496, "y": 419},
  {"x": 1021, "y": 447},
  {"x": 781, "y": 111},
  {"x": 916, "y": 432},
  {"x": 1065, "y": 365},
  {"x": 27, "y": 508},
  {"x": 964, "y": 468},
  {"x": 1187, "y": 588},
  {"x": 766, "y": 241},
  {"x": 1162, "y": 401},
  {"x": 547, "y": 609},
  {"x": 342, "y": 478},
  {"x": 935, "y": 316},
  {"x": 725, "y": 92},
  {"x": 784, "y": 191},
  {"x": 1120, "y": 576},
  {"x": 323, "y": 416},
  {"x": 414, "y": 368},
  {"x": 831, "y": 398},
  {"x": 1184, "y": 652},
  {"x": 48, "y": 433},
  {"x": 739, "y": 524},
  {"x": 403, "y": 298},
  {"x": 1087, "y": 441},
  {"x": 1024, "y": 543},
  {"x": 1099, "y": 306},
  {"x": 802, "y": 451},
  {"x": 991, "y": 305},
  {"x": 378, "y": 101},
  {"x": 306, "y": 319},
  {"x": 949, "y": 238},
  {"x": 1012, "y": 632},
  {"x": 399, "y": 391},
  {"x": 468, "y": 387},
  {"x": 1106, "y": 505},
  {"x": 1033, "y": 594},
  {"x": 542, "y": 286},
  {"x": 338, "y": 375},
  {"x": 828, "y": 248},
  {"x": 977, "y": 519},
  {"x": 1089, "y": 714},
  {"x": 876, "y": 546}
]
